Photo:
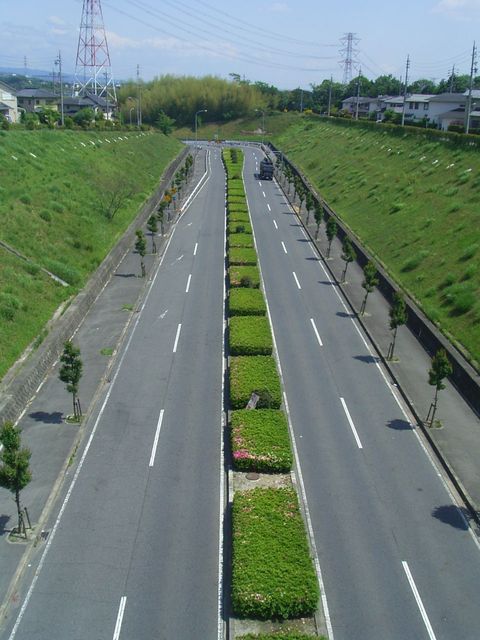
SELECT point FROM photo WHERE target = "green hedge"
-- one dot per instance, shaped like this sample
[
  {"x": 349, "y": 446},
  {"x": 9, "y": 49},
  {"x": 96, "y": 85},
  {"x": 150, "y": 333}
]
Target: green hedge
[
  {"x": 237, "y": 207},
  {"x": 243, "y": 276},
  {"x": 283, "y": 635},
  {"x": 243, "y": 301},
  {"x": 250, "y": 336},
  {"x": 240, "y": 240},
  {"x": 235, "y": 192},
  {"x": 257, "y": 374},
  {"x": 242, "y": 255},
  {"x": 260, "y": 441},
  {"x": 239, "y": 227},
  {"x": 273, "y": 575},
  {"x": 239, "y": 216},
  {"x": 235, "y": 200}
]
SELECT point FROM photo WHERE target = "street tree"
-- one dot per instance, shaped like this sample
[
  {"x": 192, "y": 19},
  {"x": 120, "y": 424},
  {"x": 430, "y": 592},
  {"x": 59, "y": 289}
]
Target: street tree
[
  {"x": 115, "y": 191},
  {"x": 441, "y": 368},
  {"x": 71, "y": 373},
  {"x": 331, "y": 231},
  {"x": 141, "y": 249},
  {"x": 370, "y": 281},
  {"x": 152, "y": 226},
  {"x": 15, "y": 473},
  {"x": 318, "y": 215},
  {"x": 348, "y": 255},
  {"x": 302, "y": 194},
  {"x": 398, "y": 317},
  {"x": 164, "y": 122},
  {"x": 309, "y": 205}
]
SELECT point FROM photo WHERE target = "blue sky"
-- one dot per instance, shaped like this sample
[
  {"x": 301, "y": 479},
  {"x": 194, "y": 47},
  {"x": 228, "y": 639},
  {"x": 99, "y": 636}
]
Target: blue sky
[{"x": 287, "y": 43}]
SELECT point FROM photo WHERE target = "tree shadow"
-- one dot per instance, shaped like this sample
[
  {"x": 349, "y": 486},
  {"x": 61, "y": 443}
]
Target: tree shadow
[
  {"x": 125, "y": 275},
  {"x": 295, "y": 225},
  {"x": 399, "y": 425},
  {"x": 302, "y": 240},
  {"x": 367, "y": 359},
  {"x": 47, "y": 418},
  {"x": 3, "y": 525},
  {"x": 343, "y": 314},
  {"x": 457, "y": 517}
]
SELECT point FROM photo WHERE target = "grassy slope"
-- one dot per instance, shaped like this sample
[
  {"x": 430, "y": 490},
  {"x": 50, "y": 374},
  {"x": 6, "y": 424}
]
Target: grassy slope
[
  {"x": 240, "y": 129},
  {"x": 414, "y": 203},
  {"x": 49, "y": 211}
]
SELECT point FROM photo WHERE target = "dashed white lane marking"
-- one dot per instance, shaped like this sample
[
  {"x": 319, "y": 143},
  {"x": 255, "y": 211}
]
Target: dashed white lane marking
[
  {"x": 423, "y": 613},
  {"x": 296, "y": 279},
  {"x": 269, "y": 207},
  {"x": 264, "y": 194},
  {"x": 195, "y": 249},
  {"x": 179, "y": 328},
  {"x": 155, "y": 441},
  {"x": 350, "y": 422},
  {"x": 118, "y": 624},
  {"x": 188, "y": 283},
  {"x": 275, "y": 223},
  {"x": 284, "y": 247},
  {"x": 259, "y": 183},
  {"x": 316, "y": 332}
]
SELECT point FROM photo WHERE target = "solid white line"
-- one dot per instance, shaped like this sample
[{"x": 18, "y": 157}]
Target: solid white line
[
  {"x": 155, "y": 441},
  {"x": 179, "y": 328},
  {"x": 204, "y": 179},
  {"x": 275, "y": 223},
  {"x": 269, "y": 207},
  {"x": 195, "y": 249},
  {"x": 350, "y": 422},
  {"x": 264, "y": 194},
  {"x": 284, "y": 247},
  {"x": 296, "y": 279},
  {"x": 121, "y": 611},
  {"x": 316, "y": 332},
  {"x": 423, "y": 613},
  {"x": 188, "y": 283}
]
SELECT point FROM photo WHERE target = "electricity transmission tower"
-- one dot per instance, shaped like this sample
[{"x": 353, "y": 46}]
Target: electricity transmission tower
[
  {"x": 93, "y": 71},
  {"x": 349, "y": 55}
]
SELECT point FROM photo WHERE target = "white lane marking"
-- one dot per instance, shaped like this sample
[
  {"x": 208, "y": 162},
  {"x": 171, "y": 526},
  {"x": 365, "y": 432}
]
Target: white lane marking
[
  {"x": 201, "y": 183},
  {"x": 350, "y": 422},
  {"x": 423, "y": 613},
  {"x": 162, "y": 315},
  {"x": 284, "y": 247},
  {"x": 296, "y": 279},
  {"x": 264, "y": 194},
  {"x": 177, "y": 260},
  {"x": 195, "y": 249},
  {"x": 188, "y": 225},
  {"x": 275, "y": 223},
  {"x": 179, "y": 328},
  {"x": 155, "y": 441},
  {"x": 259, "y": 183},
  {"x": 118, "y": 624},
  {"x": 269, "y": 207},
  {"x": 304, "y": 234},
  {"x": 40, "y": 385},
  {"x": 188, "y": 283},
  {"x": 316, "y": 332}
]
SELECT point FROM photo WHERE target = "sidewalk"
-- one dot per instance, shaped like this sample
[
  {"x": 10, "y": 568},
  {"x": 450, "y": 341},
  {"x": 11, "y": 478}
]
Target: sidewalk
[
  {"x": 52, "y": 441},
  {"x": 457, "y": 442}
]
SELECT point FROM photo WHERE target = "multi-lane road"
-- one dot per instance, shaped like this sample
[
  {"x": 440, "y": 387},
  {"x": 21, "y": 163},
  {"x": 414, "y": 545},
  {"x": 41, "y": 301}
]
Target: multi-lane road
[{"x": 135, "y": 550}]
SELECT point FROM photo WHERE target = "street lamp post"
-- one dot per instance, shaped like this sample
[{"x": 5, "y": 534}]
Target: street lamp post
[
  {"x": 131, "y": 109},
  {"x": 139, "y": 115},
  {"x": 196, "y": 124},
  {"x": 263, "y": 121}
]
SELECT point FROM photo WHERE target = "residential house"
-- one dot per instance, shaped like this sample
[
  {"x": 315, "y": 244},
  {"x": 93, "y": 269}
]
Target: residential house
[
  {"x": 8, "y": 103},
  {"x": 37, "y": 99},
  {"x": 366, "y": 106}
]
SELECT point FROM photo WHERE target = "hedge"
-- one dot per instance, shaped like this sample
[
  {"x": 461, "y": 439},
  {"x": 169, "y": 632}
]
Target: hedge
[
  {"x": 235, "y": 200},
  {"x": 283, "y": 635},
  {"x": 246, "y": 302},
  {"x": 260, "y": 441},
  {"x": 242, "y": 255},
  {"x": 244, "y": 276},
  {"x": 257, "y": 374},
  {"x": 240, "y": 240},
  {"x": 239, "y": 216},
  {"x": 239, "y": 227},
  {"x": 250, "y": 336},
  {"x": 273, "y": 575}
]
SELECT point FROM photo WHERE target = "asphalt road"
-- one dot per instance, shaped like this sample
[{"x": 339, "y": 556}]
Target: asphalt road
[
  {"x": 135, "y": 550},
  {"x": 397, "y": 558}
]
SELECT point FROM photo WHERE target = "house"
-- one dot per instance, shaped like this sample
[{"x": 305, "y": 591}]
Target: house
[
  {"x": 37, "y": 99},
  {"x": 366, "y": 106},
  {"x": 8, "y": 103}
]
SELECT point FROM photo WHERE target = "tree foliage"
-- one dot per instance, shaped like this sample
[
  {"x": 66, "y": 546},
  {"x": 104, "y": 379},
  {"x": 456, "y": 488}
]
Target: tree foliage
[
  {"x": 15, "y": 471},
  {"x": 348, "y": 255},
  {"x": 71, "y": 372},
  {"x": 370, "y": 281}
]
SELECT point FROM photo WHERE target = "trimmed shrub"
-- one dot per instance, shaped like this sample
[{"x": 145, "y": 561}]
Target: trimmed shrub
[
  {"x": 239, "y": 216},
  {"x": 239, "y": 255},
  {"x": 237, "y": 208},
  {"x": 246, "y": 302},
  {"x": 283, "y": 635},
  {"x": 273, "y": 575},
  {"x": 238, "y": 276},
  {"x": 250, "y": 336},
  {"x": 240, "y": 240},
  {"x": 260, "y": 441},
  {"x": 239, "y": 227},
  {"x": 249, "y": 374}
]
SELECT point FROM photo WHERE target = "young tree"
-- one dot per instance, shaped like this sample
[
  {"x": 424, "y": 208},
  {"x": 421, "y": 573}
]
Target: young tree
[
  {"x": 398, "y": 317},
  {"x": 164, "y": 122},
  {"x": 15, "y": 471},
  {"x": 331, "y": 231},
  {"x": 141, "y": 248},
  {"x": 441, "y": 369},
  {"x": 318, "y": 215},
  {"x": 370, "y": 281},
  {"x": 71, "y": 372},
  {"x": 152, "y": 226},
  {"x": 309, "y": 205},
  {"x": 348, "y": 255},
  {"x": 301, "y": 195}
]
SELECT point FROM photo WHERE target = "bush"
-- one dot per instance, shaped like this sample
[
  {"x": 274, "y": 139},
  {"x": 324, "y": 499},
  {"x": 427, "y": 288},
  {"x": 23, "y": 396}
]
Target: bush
[
  {"x": 63, "y": 271},
  {"x": 243, "y": 276},
  {"x": 254, "y": 374},
  {"x": 240, "y": 240},
  {"x": 246, "y": 302},
  {"x": 283, "y": 635},
  {"x": 260, "y": 441},
  {"x": 273, "y": 575},
  {"x": 239, "y": 216},
  {"x": 45, "y": 215},
  {"x": 239, "y": 255},
  {"x": 239, "y": 227},
  {"x": 250, "y": 336}
]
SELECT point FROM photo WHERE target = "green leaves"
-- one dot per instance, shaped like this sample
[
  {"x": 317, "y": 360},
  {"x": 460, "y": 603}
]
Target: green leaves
[
  {"x": 246, "y": 302},
  {"x": 250, "y": 336},
  {"x": 441, "y": 369},
  {"x": 71, "y": 369},
  {"x": 257, "y": 374}
]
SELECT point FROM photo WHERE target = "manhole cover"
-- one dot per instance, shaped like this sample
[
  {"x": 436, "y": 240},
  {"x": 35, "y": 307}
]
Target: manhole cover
[{"x": 253, "y": 476}]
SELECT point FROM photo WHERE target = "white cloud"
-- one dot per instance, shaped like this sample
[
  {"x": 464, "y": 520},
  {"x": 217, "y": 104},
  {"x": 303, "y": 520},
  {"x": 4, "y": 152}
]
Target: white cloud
[
  {"x": 462, "y": 9},
  {"x": 116, "y": 41},
  {"x": 279, "y": 7},
  {"x": 55, "y": 20}
]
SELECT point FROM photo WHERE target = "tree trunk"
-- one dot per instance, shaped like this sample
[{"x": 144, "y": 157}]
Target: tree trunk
[
  {"x": 154, "y": 246},
  {"x": 344, "y": 274},
  {"x": 19, "y": 509},
  {"x": 364, "y": 304},
  {"x": 74, "y": 398},
  {"x": 329, "y": 247},
  {"x": 143, "y": 268},
  {"x": 316, "y": 232}
]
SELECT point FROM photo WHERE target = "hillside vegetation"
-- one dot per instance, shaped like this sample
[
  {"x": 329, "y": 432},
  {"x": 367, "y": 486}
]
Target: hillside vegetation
[
  {"x": 66, "y": 197},
  {"x": 413, "y": 201}
]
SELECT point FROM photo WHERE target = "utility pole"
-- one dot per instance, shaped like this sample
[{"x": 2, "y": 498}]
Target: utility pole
[
  {"x": 106, "y": 93},
  {"x": 330, "y": 96},
  {"x": 60, "y": 78},
  {"x": 301, "y": 100},
  {"x": 139, "y": 99},
  {"x": 473, "y": 70},
  {"x": 25, "y": 66},
  {"x": 452, "y": 78},
  {"x": 358, "y": 93},
  {"x": 407, "y": 67}
]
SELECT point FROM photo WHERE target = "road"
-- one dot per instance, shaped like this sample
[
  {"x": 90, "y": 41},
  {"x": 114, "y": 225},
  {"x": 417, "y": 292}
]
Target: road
[
  {"x": 397, "y": 558},
  {"x": 135, "y": 549}
]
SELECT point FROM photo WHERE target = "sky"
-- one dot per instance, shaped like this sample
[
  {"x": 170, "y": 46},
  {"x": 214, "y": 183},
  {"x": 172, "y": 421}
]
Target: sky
[{"x": 287, "y": 43}]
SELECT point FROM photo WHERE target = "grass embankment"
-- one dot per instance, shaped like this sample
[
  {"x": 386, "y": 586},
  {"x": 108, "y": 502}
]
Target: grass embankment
[
  {"x": 241, "y": 129},
  {"x": 55, "y": 190},
  {"x": 414, "y": 204}
]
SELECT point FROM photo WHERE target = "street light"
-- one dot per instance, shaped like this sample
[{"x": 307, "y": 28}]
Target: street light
[
  {"x": 131, "y": 109},
  {"x": 196, "y": 123},
  {"x": 263, "y": 121},
  {"x": 139, "y": 115}
]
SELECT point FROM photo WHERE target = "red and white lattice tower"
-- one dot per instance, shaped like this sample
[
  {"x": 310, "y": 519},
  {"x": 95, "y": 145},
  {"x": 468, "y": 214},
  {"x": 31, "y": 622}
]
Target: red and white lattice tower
[
  {"x": 349, "y": 52},
  {"x": 93, "y": 71}
]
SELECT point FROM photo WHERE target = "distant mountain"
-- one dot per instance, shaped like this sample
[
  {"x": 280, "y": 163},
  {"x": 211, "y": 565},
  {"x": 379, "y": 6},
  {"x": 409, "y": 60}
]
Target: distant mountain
[{"x": 33, "y": 74}]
